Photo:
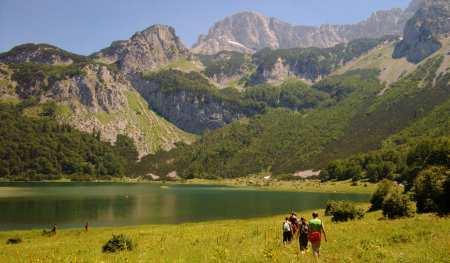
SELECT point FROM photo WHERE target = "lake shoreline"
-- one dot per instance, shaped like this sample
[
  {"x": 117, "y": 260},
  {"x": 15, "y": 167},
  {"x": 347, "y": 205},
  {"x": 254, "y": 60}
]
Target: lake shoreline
[{"x": 307, "y": 185}]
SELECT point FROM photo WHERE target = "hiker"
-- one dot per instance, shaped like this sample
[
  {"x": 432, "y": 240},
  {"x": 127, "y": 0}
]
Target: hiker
[
  {"x": 303, "y": 235},
  {"x": 86, "y": 226},
  {"x": 53, "y": 231},
  {"x": 316, "y": 229},
  {"x": 287, "y": 231},
  {"x": 49, "y": 232},
  {"x": 294, "y": 222}
]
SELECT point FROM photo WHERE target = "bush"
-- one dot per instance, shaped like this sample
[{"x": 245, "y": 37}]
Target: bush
[
  {"x": 330, "y": 207},
  {"x": 14, "y": 240},
  {"x": 342, "y": 211},
  {"x": 396, "y": 205},
  {"x": 118, "y": 243},
  {"x": 383, "y": 189},
  {"x": 429, "y": 189}
]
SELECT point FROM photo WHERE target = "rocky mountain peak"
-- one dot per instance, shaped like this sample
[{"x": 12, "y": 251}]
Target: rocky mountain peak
[
  {"x": 423, "y": 30},
  {"x": 251, "y": 31},
  {"x": 40, "y": 54},
  {"x": 145, "y": 50},
  {"x": 243, "y": 32}
]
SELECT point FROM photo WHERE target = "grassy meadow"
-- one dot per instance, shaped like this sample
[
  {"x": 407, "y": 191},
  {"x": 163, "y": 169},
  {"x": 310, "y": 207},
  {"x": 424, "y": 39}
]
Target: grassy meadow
[
  {"x": 315, "y": 186},
  {"x": 423, "y": 238}
]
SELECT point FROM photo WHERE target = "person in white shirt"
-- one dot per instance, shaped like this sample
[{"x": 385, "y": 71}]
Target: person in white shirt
[{"x": 287, "y": 231}]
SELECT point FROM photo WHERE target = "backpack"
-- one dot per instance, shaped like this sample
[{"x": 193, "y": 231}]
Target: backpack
[{"x": 304, "y": 230}]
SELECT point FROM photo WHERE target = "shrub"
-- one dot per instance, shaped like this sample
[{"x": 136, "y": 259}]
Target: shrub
[
  {"x": 342, "y": 211},
  {"x": 330, "y": 207},
  {"x": 383, "y": 189},
  {"x": 396, "y": 205},
  {"x": 429, "y": 189},
  {"x": 118, "y": 243},
  {"x": 14, "y": 240}
]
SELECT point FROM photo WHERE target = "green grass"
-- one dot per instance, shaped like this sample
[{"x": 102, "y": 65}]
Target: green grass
[
  {"x": 157, "y": 131},
  {"x": 183, "y": 65},
  {"x": 10, "y": 100},
  {"x": 250, "y": 240},
  {"x": 303, "y": 186},
  {"x": 64, "y": 112}
]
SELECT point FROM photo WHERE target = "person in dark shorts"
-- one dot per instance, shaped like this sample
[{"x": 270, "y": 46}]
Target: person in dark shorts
[
  {"x": 287, "y": 231},
  {"x": 303, "y": 236}
]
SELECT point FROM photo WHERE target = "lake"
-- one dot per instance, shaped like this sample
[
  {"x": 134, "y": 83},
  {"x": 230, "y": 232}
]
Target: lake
[{"x": 39, "y": 205}]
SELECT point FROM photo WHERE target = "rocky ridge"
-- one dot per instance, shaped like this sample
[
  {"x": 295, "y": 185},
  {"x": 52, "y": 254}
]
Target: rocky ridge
[
  {"x": 422, "y": 31},
  {"x": 252, "y": 31},
  {"x": 145, "y": 50}
]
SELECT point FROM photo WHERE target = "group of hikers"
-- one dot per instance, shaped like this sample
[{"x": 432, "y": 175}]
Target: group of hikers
[{"x": 307, "y": 231}]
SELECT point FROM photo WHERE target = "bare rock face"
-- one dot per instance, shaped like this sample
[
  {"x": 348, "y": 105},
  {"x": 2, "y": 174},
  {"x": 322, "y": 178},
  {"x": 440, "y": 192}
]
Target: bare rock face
[
  {"x": 145, "y": 50},
  {"x": 277, "y": 73},
  {"x": 250, "y": 32},
  {"x": 98, "y": 89},
  {"x": 41, "y": 54},
  {"x": 189, "y": 101},
  {"x": 422, "y": 31}
]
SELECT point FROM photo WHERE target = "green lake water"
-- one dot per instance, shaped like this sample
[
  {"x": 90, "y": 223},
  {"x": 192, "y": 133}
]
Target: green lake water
[{"x": 39, "y": 205}]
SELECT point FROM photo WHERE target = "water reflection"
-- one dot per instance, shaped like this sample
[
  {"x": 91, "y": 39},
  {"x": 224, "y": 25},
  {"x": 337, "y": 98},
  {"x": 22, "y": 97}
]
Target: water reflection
[{"x": 28, "y": 205}]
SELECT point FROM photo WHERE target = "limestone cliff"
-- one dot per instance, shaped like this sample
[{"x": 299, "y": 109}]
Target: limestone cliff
[
  {"x": 189, "y": 101},
  {"x": 421, "y": 34},
  {"x": 145, "y": 50}
]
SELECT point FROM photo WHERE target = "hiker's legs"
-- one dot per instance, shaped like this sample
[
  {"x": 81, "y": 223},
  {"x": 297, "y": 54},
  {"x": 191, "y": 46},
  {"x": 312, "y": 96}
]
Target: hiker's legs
[
  {"x": 285, "y": 237},
  {"x": 316, "y": 248},
  {"x": 303, "y": 244}
]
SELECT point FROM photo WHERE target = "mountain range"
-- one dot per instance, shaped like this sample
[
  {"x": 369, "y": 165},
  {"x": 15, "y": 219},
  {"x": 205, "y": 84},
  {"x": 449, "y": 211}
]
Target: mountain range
[
  {"x": 251, "y": 31},
  {"x": 255, "y": 94}
]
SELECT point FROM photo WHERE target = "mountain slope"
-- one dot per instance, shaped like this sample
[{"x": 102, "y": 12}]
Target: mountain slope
[
  {"x": 310, "y": 64},
  {"x": 406, "y": 102},
  {"x": 280, "y": 140},
  {"x": 284, "y": 141},
  {"x": 91, "y": 96},
  {"x": 392, "y": 69}
]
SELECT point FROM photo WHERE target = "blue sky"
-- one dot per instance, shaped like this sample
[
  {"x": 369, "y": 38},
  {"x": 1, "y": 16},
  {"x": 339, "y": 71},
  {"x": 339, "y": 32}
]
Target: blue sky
[{"x": 85, "y": 26}]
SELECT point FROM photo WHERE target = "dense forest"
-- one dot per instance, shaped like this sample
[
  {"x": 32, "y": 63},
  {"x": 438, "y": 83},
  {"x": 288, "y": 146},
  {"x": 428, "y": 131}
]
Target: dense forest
[{"x": 39, "y": 148}]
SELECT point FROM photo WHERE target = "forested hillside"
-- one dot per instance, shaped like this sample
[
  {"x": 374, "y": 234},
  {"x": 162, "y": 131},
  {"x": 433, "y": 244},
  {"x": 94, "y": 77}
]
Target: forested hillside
[
  {"x": 37, "y": 148},
  {"x": 280, "y": 140},
  {"x": 351, "y": 113}
]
